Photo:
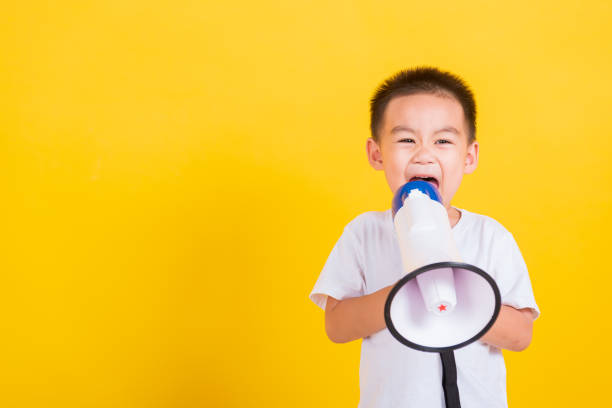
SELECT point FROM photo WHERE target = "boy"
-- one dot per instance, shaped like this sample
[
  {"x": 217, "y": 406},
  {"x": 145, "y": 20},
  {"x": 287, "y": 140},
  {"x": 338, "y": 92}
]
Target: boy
[{"x": 423, "y": 125}]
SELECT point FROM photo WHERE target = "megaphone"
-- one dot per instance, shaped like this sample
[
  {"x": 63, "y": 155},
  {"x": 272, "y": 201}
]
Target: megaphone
[{"x": 441, "y": 304}]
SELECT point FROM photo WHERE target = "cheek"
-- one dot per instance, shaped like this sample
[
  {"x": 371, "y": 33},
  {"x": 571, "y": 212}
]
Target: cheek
[
  {"x": 454, "y": 165},
  {"x": 452, "y": 184},
  {"x": 394, "y": 173},
  {"x": 452, "y": 176},
  {"x": 396, "y": 162}
]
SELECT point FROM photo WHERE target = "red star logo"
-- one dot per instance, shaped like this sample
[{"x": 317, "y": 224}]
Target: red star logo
[{"x": 442, "y": 308}]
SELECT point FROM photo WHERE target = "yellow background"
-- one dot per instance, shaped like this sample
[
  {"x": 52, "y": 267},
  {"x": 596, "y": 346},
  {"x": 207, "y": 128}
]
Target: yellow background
[{"x": 175, "y": 174}]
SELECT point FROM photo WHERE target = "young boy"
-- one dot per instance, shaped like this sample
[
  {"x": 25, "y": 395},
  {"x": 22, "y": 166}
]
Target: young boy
[{"x": 423, "y": 125}]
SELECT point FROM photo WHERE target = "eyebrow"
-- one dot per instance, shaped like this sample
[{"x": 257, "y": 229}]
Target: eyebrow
[
  {"x": 400, "y": 128},
  {"x": 448, "y": 129}
]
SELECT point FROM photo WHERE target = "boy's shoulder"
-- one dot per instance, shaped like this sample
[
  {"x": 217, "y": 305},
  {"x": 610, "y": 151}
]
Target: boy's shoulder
[
  {"x": 370, "y": 220},
  {"x": 484, "y": 225}
]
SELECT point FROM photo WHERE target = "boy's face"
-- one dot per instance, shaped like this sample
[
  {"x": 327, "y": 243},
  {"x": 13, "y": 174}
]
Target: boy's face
[{"x": 421, "y": 136}]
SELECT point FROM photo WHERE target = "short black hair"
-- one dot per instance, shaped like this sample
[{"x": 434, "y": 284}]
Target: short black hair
[{"x": 428, "y": 80}]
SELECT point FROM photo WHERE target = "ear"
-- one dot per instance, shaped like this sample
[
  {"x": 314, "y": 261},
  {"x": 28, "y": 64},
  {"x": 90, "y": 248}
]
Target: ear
[
  {"x": 471, "y": 158},
  {"x": 374, "y": 154}
]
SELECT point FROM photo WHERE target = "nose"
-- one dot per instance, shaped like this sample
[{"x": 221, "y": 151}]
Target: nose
[{"x": 423, "y": 155}]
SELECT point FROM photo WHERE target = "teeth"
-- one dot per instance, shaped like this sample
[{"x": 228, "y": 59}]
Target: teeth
[{"x": 432, "y": 180}]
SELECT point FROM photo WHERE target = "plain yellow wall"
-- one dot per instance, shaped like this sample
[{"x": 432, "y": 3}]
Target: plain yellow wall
[{"x": 175, "y": 174}]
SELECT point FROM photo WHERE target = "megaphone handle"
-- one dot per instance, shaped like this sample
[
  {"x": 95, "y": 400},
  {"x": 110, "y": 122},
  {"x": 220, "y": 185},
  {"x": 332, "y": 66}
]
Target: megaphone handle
[{"x": 449, "y": 380}]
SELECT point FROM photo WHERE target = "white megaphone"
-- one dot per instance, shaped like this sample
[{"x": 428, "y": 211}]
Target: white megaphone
[{"x": 441, "y": 304}]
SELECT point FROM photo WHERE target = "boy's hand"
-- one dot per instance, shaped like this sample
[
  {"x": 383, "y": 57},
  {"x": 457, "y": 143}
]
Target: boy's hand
[{"x": 512, "y": 330}]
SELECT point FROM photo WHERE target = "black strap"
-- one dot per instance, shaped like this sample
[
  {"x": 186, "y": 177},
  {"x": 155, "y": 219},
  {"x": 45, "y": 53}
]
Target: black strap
[{"x": 449, "y": 380}]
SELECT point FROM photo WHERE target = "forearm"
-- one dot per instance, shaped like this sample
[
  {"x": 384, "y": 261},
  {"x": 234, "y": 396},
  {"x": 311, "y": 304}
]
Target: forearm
[
  {"x": 355, "y": 318},
  {"x": 512, "y": 330}
]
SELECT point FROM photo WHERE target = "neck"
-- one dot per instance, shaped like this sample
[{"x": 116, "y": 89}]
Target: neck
[{"x": 453, "y": 216}]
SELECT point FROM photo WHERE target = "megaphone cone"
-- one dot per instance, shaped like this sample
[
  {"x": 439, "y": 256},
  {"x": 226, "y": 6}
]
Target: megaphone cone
[{"x": 412, "y": 324}]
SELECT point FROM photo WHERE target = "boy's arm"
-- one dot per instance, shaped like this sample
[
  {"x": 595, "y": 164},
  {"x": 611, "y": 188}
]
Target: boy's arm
[
  {"x": 355, "y": 318},
  {"x": 512, "y": 330}
]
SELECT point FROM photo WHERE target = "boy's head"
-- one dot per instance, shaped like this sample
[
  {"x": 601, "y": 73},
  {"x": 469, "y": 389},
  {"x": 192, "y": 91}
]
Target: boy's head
[{"x": 423, "y": 124}]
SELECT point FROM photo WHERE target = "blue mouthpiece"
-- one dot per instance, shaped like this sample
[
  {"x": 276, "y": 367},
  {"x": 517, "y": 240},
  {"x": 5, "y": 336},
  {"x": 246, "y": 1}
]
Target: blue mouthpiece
[{"x": 423, "y": 186}]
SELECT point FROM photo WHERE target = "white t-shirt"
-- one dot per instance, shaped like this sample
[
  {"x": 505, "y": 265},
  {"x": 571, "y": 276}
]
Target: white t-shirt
[{"x": 366, "y": 258}]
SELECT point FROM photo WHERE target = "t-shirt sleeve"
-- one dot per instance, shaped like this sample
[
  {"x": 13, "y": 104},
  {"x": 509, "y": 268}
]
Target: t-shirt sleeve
[
  {"x": 513, "y": 278},
  {"x": 342, "y": 275}
]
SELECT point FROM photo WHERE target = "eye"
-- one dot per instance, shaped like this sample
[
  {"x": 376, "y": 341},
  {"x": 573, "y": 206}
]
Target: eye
[
  {"x": 406, "y": 140},
  {"x": 443, "y": 141}
]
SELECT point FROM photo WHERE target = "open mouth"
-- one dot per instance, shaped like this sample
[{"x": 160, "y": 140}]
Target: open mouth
[{"x": 431, "y": 180}]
